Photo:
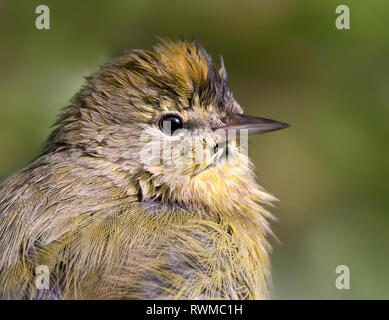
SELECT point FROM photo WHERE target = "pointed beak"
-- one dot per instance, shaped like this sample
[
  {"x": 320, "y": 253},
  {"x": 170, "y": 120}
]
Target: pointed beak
[{"x": 254, "y": 125}]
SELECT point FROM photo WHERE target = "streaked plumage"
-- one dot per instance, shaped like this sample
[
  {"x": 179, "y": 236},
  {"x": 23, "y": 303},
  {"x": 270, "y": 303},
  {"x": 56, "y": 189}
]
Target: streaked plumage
[{"x": 109, "y": 226}]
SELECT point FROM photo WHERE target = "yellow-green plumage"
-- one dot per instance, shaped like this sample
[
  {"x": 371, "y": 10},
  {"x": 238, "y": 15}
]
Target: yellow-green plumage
[{"x": 111, "y": 227}]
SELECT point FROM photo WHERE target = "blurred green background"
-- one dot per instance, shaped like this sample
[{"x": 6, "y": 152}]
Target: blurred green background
[{"x": 287, "y": 61}]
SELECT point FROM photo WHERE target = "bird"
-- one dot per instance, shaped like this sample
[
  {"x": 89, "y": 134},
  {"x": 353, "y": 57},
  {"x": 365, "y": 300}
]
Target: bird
[{"x": 110, "y": 218}]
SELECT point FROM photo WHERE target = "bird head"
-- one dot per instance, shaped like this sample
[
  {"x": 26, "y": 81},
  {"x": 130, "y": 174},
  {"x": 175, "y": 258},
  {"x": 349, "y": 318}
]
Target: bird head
[{"x": 167, "y": 120}]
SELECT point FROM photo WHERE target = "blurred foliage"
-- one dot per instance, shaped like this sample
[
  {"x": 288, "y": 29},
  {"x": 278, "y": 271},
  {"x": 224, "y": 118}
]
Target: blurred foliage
[{"x": 287, "y": 61}]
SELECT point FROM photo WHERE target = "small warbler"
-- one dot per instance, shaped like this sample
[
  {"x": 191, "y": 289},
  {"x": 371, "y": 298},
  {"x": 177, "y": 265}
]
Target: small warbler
[{"x": 121, "y": 204}]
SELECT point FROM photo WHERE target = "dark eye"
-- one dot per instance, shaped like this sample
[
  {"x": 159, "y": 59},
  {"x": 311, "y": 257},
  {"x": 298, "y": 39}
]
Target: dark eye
[{"x": 170, "y": 123}]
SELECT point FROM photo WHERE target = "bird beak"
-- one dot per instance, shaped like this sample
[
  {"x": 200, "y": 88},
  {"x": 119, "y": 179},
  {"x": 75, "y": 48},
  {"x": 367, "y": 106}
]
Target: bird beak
[{"x": 254, "y": 125}]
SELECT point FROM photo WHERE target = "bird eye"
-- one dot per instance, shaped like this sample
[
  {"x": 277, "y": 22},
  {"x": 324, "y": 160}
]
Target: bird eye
[{"x": 170, "y": 123}]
